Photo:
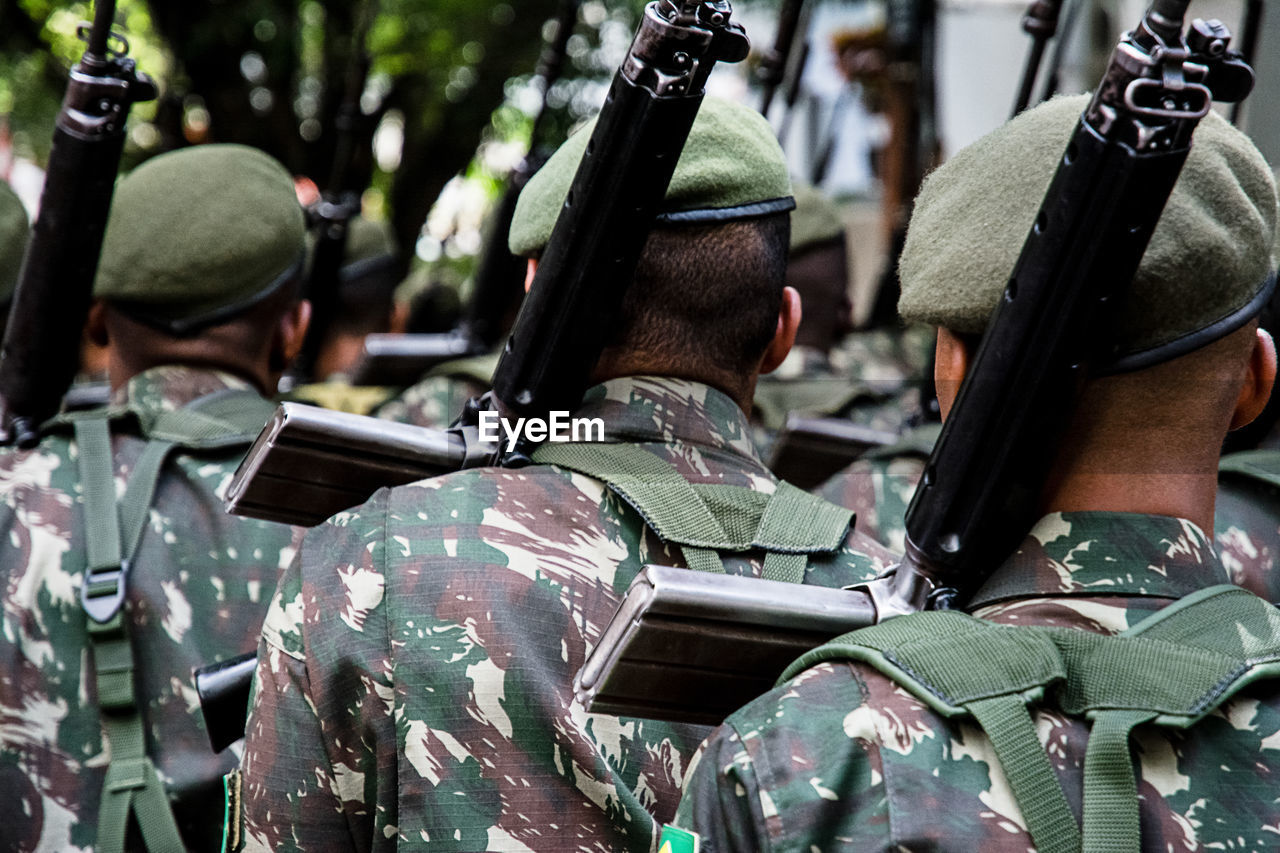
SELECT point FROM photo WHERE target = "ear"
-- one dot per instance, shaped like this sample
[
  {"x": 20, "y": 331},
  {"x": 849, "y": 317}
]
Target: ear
[
  {"x": 95, "y": 328},
  {"x": 291, "y": 331},
  {"x": 784, "y": 337},
  {"x": 529, "y": 272},
  {"x": 950, "y": 364},
  {"x": 1258, "y": 380}
]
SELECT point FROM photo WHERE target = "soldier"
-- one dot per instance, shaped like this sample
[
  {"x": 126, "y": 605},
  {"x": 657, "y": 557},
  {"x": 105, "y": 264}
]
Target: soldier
[
  {"x": 416, "y": 670},
  {"x": 844, "y": 758},
  {"x": 198, "y": 297},
  {"x": 365, "y": 305},
  {"x": 863, "y": 377}
]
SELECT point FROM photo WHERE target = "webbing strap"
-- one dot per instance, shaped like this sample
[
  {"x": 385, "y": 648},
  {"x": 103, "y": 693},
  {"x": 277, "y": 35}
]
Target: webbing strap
[
  {"x": 113, "y": 530},
  {"x": 707, "y": 519},
  {"x": 1171, "y": 669},
  {"x": 1111, "y": 818},
  {"x": 1263, "y": 465},
  {"x": 1012, "y": 732}
]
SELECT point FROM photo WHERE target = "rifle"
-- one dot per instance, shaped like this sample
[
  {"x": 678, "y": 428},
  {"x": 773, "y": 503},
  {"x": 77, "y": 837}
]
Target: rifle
[
  {"x": 980, "y": 491},
  {"x": 339, "y": 201},
  {"x": 1250, "y": 28},
  {"x": 61, "y": 259},
  {"x": 912, "y": 37},
  {"x": 1051, "y": 77},
  {"x": 395, "y": 360},
  {"x": 773, "y": 64},
  {"x": 567, "y": 317},
  {"x": 1041, "y": 23}
]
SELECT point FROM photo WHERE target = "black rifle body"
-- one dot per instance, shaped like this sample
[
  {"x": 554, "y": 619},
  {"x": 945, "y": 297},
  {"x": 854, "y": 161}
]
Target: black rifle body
[{"x": 41, "y": 354}]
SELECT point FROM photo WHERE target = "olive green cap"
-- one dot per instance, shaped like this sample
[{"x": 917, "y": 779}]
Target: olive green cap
[
  {"x": 14, "y": 228},
  {"x": 815, "y": 220},
  {"x": 731, "y": 168},
  {"x": 198, "y": 235},
  {"x": 1207, "y": 270},
  {"x": 370, "y": 256}
]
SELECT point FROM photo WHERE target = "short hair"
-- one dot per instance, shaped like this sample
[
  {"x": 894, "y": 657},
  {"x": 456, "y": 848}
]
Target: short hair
[{"x": 708, "y": 294}]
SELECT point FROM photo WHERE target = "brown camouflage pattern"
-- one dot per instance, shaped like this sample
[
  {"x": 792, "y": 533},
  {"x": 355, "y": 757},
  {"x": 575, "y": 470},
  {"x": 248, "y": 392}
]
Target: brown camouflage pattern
[
  {"x": 415, "y": 684},
  {"x": 197, "y": 592},
  {"x": 437, "y": 399},
  {"x": 841, "y": 758},
  {"x": 1247, "y": 532}
]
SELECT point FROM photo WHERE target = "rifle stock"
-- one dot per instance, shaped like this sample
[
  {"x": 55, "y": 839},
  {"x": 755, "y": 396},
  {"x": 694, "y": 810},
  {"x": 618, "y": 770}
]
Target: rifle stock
[{"x": 41, "y": 354}]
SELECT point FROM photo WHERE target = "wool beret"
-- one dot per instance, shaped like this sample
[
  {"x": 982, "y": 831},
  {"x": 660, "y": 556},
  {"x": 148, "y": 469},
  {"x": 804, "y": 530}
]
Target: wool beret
[
  {"x": 815, "y": 220},
  {"x": 731, "y": 168},
  {"x": 1207, "y": 270},
  {"x": 13, "y": 240},
  {"x": 197, "y": 235},
  {"x": 370, "y": 257}
]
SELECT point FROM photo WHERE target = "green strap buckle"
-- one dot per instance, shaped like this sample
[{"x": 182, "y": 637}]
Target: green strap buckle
[{"x": 102, "y": 593}]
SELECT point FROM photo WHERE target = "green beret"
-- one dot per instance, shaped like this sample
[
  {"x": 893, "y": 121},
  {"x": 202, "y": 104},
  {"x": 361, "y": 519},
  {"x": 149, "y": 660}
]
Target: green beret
[
  {"x": 13, "y": 240},
  {"x": 370, "y": 256},
  {"x": 815, "y": 220},
  {"x": 1207, "y": 271},
  {"x": 731, "y": 168},
  {"x": 198, "y": 235}
]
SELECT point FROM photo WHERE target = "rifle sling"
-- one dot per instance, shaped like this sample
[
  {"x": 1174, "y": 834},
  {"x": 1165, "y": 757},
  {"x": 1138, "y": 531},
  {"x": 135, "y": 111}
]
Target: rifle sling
[
  {"x": 113, "y": 530},
  {"x": 1171, "y": 670},
  {"x": 708, "y": 519}
]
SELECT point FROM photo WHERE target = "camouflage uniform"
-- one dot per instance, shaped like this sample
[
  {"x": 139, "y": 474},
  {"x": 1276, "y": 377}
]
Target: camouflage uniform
[
  {"x": 880, "y": 485},
  {"x": 1247, "y": 522},
  {"x": 872, "y": 379},
  {"x": 437, "y": 399},
  {"x": 417, "y": 662},
  {"x": 197, "y": 591},
  {"x": 844, "y": 752}
]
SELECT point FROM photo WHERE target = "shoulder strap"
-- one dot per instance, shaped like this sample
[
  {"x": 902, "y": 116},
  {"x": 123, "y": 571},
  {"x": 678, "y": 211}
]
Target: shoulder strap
[
  {"x": 113, "y": 530},
  {"x": 1171, "y": 669},
  {"x": 1262, "y": 465},
  {"x": 706, "y": 520}
]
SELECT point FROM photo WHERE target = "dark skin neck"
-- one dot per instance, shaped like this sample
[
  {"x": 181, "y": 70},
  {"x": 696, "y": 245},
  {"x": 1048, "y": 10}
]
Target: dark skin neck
[
  {"x": 1147, "y": 442},
  {"x": 255, "y": 348}
]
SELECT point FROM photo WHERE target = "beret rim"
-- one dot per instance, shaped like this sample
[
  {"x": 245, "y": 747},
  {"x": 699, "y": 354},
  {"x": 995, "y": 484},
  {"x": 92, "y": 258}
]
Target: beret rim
[
  {"x": 183, "y": 327},
  {"x": 751, "y": 210},
  {"x": 1194, "y": 339}
]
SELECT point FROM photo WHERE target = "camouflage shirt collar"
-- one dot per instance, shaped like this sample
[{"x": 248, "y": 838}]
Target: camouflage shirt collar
[
  {"x": 1104, "y": 554},
  {"x": 666, "y": 409},
  {"x": 168, "y": 388}
]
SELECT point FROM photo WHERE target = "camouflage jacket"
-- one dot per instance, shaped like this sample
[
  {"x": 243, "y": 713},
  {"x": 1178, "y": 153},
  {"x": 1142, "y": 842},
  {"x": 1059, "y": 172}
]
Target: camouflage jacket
[
  {"x": 880, "y": 485},
  {"x": 841, "y": 758},
  {"x": 415, "y": 679},
  {"x": 197, "y": 592},
  {"x": 1247, "y": 521},
  {"x": 872, "y": 379},
  {"x": 437, "y": 399}
]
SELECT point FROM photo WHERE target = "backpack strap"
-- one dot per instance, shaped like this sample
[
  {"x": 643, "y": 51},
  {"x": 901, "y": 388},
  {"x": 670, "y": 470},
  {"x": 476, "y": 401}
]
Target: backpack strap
[
  {"x": 113, "y": 530},
  {"x": 706, "y": 520},
  {"x": 1261, "y": 465},
  {"x": 1171, "y": 669}
]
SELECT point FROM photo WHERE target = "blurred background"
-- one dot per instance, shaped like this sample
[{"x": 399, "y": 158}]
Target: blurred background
[{"x": 451, "y": 94}]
